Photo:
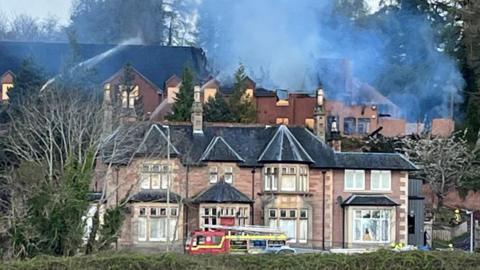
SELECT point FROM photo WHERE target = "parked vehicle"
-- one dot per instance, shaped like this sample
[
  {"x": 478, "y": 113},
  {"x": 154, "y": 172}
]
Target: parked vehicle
[{"x": 218, "y": 239}]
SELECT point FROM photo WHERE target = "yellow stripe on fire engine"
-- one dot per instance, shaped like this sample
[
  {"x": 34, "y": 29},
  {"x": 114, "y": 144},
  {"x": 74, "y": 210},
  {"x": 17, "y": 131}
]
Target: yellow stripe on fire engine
[{"x": 257, "y": 237}]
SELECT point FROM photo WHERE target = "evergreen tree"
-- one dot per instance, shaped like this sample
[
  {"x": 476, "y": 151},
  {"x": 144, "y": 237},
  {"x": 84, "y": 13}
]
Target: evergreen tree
[
  {"x": 27, "y": 83},
  {"x": 217, "y": 110},
  {"x": 242, "y": 107},
  {"x": 182, "y": 108}
]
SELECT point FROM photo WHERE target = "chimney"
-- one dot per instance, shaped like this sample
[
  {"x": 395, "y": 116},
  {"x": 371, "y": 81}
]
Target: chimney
[
  {"x": 197, "y": 111},
  {"x": 335, "y": 138},
  {"x": 107, "y": 109},
  {"x": 319, "y": 115}
]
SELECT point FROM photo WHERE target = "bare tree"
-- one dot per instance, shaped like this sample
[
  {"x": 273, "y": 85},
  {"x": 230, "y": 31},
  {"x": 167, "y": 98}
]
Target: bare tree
[{"x": 443, "y": 162}]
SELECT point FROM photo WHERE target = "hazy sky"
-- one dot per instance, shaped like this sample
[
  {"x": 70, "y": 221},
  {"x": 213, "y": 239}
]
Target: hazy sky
[
  {"x": 58, "y": 8},
  {"x": 37, "y": 8}
]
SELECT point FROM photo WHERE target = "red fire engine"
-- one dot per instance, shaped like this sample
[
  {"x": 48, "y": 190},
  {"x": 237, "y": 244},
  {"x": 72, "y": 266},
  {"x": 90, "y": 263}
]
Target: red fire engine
[{"x": 219, "y": 239}]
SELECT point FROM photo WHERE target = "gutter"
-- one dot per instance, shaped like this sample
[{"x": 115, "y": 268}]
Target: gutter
[{"x": 323, "y": 210}]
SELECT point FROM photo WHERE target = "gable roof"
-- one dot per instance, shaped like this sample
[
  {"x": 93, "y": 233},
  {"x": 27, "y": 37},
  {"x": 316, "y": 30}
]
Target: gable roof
[
  {"x": 120, "y": 72},
  {"x": 157, "y": 63},
  {"x": 221, "y": 192},
  {"x": 284, "y": 147},
  {"x": 220, "y": 150},
  {"x": 254, "y": 144},
  {"x": 369, "y": 200}
]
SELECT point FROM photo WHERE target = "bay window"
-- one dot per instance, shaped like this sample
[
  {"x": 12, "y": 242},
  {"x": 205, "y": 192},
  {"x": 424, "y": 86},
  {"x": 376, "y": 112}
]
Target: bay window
[
  {"x": 380, "y": 180},
  {"x": 293, "y": 222},
  {"x": 212, "y": 214},
  {"x": 371, "y": 226},
  {"x": 288, "y": 178},
  {"x": 152, "y": 223},
  {"x": 354, "y": 180},
  {"x": 154, "y": 176},
  {"x": 271, "y": 178}
]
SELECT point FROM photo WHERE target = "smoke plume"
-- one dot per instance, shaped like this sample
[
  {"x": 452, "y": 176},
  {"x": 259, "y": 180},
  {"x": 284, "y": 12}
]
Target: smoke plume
[{"x": 292, "y": 45}]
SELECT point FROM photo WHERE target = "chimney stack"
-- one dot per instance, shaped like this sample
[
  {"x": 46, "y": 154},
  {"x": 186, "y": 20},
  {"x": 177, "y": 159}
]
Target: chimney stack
[
  {"x": 197, "y": 111},
  {"x": 319, "y": 115},
  {"x": 335, "y": 138},
  {"x": 107, "y": 110}
]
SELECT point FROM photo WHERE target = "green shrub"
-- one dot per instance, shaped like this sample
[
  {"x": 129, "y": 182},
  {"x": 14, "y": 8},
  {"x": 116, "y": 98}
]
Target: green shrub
[{"x": 377, "y": 260}]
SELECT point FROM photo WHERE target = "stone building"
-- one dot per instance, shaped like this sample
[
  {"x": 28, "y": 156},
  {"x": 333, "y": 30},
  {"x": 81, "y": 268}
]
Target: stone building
[{"x": 178, "y": 177}]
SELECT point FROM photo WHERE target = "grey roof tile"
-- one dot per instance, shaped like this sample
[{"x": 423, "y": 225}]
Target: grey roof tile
[
  {"x": 221, "y": 192},
  {"x": 369, "y": 200}
]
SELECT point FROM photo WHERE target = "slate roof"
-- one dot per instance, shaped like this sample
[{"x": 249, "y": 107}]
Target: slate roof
[
  {"x": 381, "y": 161},
  {"x": 154, "y": 196},
  {"x": 254, "y": 144},
  {"x": 221, "y": 192},
  {"x": 263, "y": 92},
  {"x": 220, "y": 150},
  {"x": 284, "y": 147},
  {"x": 157, "y": 63},
  {"x": 369, "y": 200}
]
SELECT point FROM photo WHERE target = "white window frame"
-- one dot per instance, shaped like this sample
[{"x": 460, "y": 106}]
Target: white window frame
[
  {"x": 355, "y": 174},
  {"x": 381, "y": 176},
  {"x": 275, "y": 221},
  {"x": 270, "y": 178},
  {"x": 213, "y": 174},
  {"x": 150, "y": 171},
  {"x": 159, "y": 213},
  {"x": 382, "y": 211},
  {"x": 228, "y": 171}
]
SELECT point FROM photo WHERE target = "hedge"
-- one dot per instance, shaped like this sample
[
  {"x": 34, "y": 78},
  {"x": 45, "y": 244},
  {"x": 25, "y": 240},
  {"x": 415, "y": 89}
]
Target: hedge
[{"x": 377, "y": 260}]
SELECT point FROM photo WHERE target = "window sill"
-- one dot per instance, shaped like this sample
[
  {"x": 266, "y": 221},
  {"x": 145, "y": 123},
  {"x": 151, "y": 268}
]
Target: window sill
[
  {"x": 359, "y": 191},
  {"x": 277, "y": 192}
]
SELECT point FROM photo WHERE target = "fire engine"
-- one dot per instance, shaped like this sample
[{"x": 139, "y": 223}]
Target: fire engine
[{"x": 220, "y": 239}]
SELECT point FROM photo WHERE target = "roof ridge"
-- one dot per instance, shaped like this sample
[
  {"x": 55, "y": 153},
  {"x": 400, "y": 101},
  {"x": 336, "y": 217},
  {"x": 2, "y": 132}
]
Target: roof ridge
[{"x": 212, "y": 145}]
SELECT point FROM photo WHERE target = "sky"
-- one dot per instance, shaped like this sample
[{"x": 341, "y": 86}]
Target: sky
[
  {"x": 58, "y": 8},
  {"x": 37, "y": 8}
]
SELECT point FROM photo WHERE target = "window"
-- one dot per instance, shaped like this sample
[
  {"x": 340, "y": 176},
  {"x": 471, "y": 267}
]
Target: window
[
  {"x": 349, "y": 124},
  {"x": 302, "y": 180},
  {"x": 294, "y": 222},
  {"x": 209, "y": 216},
  {"x": 271, "y": 178},
  {"x": 354, "y": 180},
  {"x": 309, "y": 123},
  {"x": 363, "y": 126},
  {"x": 213, "y": 174},
  {"x": 380, "y": 180},
  {"x": 154, "y": 176},
  {"x": 371, "y": 226},
  {"x": 228, "y": 176},
  {"x": 152, "y": 223},
  {"x": 289, "y": 178}
]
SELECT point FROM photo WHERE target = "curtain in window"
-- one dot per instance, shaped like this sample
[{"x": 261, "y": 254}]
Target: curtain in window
[
  {"x": 173, "y": 223},
  {"x": 303, "y": 233},
  {"x": 155, "y": 229},
  {"x": 288, "y": 182},
  {"x": 142, "y": 229},
  {"x": 289, "y": 227}
]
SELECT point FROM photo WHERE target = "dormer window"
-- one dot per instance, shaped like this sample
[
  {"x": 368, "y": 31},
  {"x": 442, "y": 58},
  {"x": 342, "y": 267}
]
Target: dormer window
[{"x": 213, "y": 174}]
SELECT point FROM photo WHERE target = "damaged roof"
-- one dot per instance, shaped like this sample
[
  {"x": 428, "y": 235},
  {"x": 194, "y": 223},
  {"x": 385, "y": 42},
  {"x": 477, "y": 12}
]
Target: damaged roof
[
  {"x": 221, "y": 192},
  {"x": 246, "y": 145},
  {"x": 157, "y": 63}
]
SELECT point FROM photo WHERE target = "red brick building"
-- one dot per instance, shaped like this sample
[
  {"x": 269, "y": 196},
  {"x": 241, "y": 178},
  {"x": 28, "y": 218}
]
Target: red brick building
[{"x": 278, "y": 176}]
